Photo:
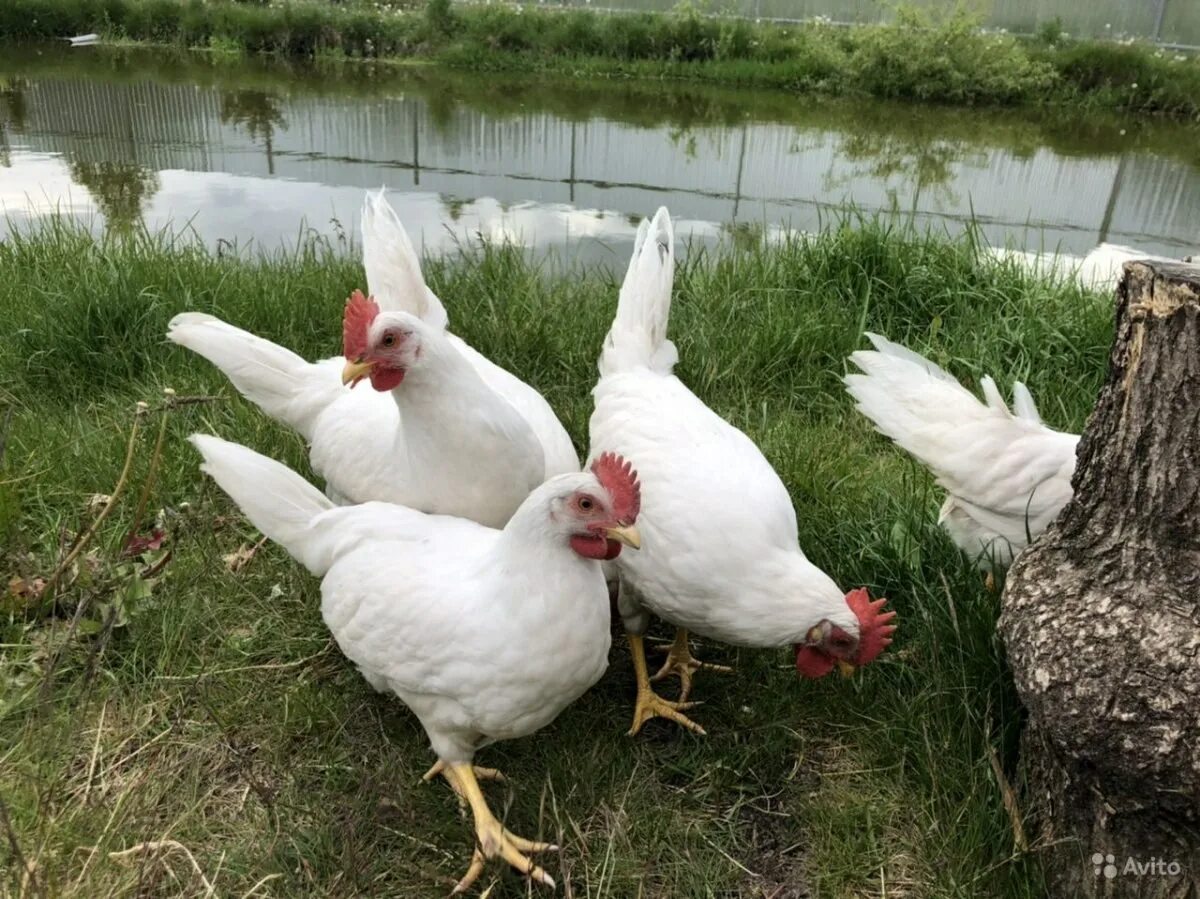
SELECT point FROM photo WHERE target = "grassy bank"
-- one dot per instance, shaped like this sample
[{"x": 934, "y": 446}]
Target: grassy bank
[
  {"x": 206, "y": 706},
  {"x": 946, "y": 60}
]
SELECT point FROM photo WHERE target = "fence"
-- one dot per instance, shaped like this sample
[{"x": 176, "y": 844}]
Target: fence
[{"x": 1172, "y": 24}]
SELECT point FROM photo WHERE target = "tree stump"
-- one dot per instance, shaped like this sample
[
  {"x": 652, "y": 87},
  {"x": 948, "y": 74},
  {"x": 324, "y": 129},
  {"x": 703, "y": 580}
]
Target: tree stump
[{"x": 1101, "y": 619}]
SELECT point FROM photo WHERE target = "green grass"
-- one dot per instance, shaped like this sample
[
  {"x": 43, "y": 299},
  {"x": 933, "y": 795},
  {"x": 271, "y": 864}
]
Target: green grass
[
  {"x": 220, "y": 716},
  {"x": 942, "y": 58}
]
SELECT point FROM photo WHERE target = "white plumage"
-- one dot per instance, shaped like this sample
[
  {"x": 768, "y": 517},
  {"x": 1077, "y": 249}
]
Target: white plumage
[
  {"x": 485, "y": 634},
  {"x": 720, "y": 554},
  {"x": 1006, "y": 474},
  {"x": 455, "y": 618},
  {"x": 460, "y": 436}
]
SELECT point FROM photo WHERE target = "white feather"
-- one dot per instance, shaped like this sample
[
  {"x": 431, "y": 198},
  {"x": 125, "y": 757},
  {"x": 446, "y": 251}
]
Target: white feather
[
  {"x": 1007, "y": 475},
  {"x": 638, "y": 337},
  {"x": 393, "y": 268},
  {"x": 275, "y": 379},
  {"x": 459, "y": 436},
  {"x": 394, "y": 278},
  {"x": 719, "y": 539},
  {"x": 485, "y": 634}
]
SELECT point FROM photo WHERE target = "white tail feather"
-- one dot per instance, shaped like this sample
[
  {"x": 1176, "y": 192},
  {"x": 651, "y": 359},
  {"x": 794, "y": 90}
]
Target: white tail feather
[
  {"x": 896, "y": 351},
  {"x": 272, "y": 377},
  {"x": 928, "y": 413},
  {"x": 393, "y": 268},
  {"x": 277, "y": 501},
  {"x": 638, "y": 336},
  {"x": 1023, "y": 404},
  {"x": 991, "y": 393}
]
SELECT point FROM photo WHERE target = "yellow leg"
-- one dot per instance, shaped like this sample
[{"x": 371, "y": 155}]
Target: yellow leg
[
  {"x": 492, "y": 840},
  {"x": 480, "y": 774},
  {"x": 681, "y": 661},
  {"x": 650, "y": 704}
]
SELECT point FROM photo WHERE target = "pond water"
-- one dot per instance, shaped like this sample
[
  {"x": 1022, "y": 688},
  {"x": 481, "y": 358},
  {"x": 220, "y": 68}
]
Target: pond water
[{"x": 251, "y": 153}]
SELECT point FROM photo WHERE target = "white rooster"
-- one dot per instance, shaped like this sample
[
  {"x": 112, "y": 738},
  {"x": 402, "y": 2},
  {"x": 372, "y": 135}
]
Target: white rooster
[
  {"x": 445, "y": 430},
  {"x": 454, "y": 617},
  {"x": 721, "y": 556},
  {"x": 1006, "y": 475}
]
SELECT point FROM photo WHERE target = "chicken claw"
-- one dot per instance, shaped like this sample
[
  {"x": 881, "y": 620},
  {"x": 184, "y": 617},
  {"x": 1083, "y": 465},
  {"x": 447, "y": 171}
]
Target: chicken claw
[
  {"x": 492, "y": 840},
  {"x": 650, "y": 704},
  {"x": 681, "y": 661},
  {"x": 481, "y": 773}
]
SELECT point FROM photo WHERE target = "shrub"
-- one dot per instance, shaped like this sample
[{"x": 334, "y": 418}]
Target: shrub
[
  {"x": 920, "y": 57},
  {"x": 945, "y": 61},
  {"x": 1132, "y": 77},
  {"x": 439, "y": 17}
]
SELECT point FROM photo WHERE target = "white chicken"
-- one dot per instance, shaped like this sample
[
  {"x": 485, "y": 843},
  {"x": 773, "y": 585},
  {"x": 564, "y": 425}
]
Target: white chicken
[
  {"x": 453, "y": 617},
  {"x": 445, "y": 430},
  {"x": 743, "y": 581},
  {"x": 1006, "y": 474}
]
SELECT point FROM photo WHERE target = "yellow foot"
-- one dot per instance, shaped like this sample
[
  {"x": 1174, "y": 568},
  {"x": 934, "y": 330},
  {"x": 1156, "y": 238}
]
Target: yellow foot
[
  {"x": 651, "y": 705},
  {"x": 681, "y": 661},
  {"x": 480, "y": 774},
  {"x": 492, "y": 839}
]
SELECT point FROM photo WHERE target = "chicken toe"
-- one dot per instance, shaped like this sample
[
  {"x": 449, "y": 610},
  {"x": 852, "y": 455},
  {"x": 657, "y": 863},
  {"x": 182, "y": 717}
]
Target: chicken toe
[
  {"x": 680, "y": 661},
  {"x": 481, "y": 773},
  {"x": 492, "y": 839},
  {"x": 650, "y": 704}
]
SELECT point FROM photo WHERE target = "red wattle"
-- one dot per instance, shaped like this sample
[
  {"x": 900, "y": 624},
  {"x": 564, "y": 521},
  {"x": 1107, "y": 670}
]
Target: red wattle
[
  {"x": 595, "y": 547},
  {"x": 812, "y": 662},
  {"x": 384, "y": 379}
]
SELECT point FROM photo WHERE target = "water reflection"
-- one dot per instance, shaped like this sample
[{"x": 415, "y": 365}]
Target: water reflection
[
  {"x": 258, "y": 113},
  {"x": 120, "y": 190},
  {"x": 248, "y": 152},
  {"x": 12, "y": 114}
]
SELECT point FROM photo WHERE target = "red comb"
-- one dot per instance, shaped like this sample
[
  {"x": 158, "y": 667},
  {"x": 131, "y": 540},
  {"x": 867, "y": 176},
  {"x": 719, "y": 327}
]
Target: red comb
[
  {"x": 356, "y": 322},
  {"x": 620, "y": 480},
  {"x": 874, "y": 625}
]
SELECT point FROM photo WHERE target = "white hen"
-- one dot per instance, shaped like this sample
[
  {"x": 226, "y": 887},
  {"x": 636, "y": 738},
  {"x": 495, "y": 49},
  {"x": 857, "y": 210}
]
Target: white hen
[
  {"x": 721, "y": 555},
  {"x": 453, "y": 617},
  {"x": 460, "y": 436},
  {"x": 1006, "y": 474}
]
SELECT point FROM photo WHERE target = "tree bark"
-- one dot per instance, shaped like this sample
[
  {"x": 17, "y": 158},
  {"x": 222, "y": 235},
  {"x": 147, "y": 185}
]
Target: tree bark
[{"x": 1101, "y": 619}]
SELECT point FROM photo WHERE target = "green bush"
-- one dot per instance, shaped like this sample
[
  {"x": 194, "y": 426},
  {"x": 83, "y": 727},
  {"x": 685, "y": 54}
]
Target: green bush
[
  {"x": 1132, "y": 77},
  {"x": 439, "y": 16},
  {"x": 947, "y": 60},
  {"x": 950, "y": 61}
]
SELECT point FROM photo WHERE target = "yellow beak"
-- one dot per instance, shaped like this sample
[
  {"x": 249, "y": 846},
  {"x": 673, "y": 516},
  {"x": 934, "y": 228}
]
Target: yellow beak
[
  {"x": 355, "y": 370},
  {"x": 846, "y": 668},
  {"x": 627, "y": 534}
]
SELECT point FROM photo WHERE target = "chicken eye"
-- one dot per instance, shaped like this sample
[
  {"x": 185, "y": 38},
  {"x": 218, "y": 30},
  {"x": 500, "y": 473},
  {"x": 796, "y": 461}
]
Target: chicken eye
[
  {"x": 586, "y": 504},
  {"x": 389, "y": 339}
]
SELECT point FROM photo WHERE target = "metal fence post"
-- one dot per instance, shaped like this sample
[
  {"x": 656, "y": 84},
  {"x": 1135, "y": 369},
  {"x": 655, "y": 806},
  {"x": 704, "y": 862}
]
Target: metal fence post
[{"x": 1158, "y": 20}]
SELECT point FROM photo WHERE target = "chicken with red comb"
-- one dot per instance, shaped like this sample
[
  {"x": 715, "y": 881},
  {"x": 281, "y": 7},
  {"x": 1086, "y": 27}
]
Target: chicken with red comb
[
  {"x": 437, "y": 426},
  {"x": 452, "y": 617},
  {"x": 817, "y": 656},
  {"x": 721, "y": 556},
  {"x": 359, "y": 313}
]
